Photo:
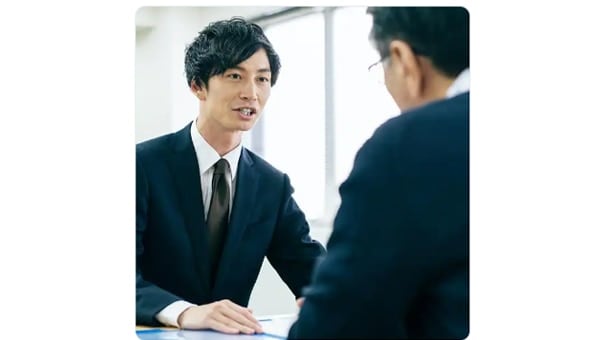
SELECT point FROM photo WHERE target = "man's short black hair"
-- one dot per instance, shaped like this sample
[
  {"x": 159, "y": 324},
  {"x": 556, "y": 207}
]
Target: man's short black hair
[
  {"x": 223, "y": 45},
  {"x": 440, "y": 33}
]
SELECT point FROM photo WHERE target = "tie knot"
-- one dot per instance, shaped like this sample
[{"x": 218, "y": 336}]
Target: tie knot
[{"x": 221, "y": 166}]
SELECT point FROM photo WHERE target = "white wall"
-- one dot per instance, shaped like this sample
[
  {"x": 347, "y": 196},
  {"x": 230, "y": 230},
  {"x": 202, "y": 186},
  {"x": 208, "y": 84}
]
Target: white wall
[
  {"x": 163, "y": 104},
  {"x": 152, "y": 75}
]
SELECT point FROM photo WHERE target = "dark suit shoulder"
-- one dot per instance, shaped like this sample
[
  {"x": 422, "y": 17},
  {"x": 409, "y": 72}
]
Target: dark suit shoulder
[
  {"x": 178, "y": 140},
  {"x": 154, "y": 145},
  {"x": 432, "y": 115},
  {"x": 263, "y": 166},
  {"x": 427, "y": 131}
]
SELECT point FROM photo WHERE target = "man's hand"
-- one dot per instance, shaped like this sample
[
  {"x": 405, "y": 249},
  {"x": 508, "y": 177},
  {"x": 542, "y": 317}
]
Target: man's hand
[{"x": 223, "y": 316}]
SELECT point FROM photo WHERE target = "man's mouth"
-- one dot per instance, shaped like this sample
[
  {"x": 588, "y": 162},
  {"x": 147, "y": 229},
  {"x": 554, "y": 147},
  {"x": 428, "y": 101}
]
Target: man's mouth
[{"x": 246, "y": 111}]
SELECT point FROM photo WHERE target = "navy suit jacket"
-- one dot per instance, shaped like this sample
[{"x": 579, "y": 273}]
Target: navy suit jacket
[
  {"x": 171, "y": 235},
  {"x": 397, "y": 260}
]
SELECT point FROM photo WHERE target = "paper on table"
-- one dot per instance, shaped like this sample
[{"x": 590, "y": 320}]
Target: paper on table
[{"x": 278, "y": 325}]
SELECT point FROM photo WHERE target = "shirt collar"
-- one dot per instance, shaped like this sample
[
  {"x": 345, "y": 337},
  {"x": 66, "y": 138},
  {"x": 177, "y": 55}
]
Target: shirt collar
[
  {"x": 208, "y": 156},
  {"x": 460, "y": 85}
]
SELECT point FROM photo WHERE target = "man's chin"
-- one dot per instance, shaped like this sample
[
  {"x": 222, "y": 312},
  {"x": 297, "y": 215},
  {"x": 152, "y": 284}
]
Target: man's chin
[
  {"x": 245, "y": 126},
  {"x": 241, "y": 126}
]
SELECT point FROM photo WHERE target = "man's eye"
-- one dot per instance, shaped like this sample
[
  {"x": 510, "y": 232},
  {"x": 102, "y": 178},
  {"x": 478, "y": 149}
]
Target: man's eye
[
  {"x": 264, "y": 79},
  {"x": 234, "y": 76}
]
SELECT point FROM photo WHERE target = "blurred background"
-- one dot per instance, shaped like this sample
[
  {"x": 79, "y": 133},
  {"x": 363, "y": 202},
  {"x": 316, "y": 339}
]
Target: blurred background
[{"x": 324, "y": 106}]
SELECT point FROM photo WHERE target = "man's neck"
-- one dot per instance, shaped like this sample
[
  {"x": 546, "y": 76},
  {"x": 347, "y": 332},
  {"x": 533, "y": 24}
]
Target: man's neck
[
  {"x": 436, "y": 84},
  {"x": 221, "y": 140}
]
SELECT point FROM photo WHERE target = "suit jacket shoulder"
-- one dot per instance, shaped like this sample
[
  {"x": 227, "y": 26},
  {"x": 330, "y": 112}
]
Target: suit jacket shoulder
[
  {"x": 431, "y": 117},
  {"x": 158, "y": 144},
  {"x": 261, "y": 165}
]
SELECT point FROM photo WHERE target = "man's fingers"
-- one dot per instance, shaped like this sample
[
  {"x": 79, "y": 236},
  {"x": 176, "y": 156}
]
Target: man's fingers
[
  {"x": 243, "y": 310},
  {"x": 243, "y": 318},
  {"x": 221, "y": 327},
  {"x": 247, "y": 313},
  {"x": 227, "y": 323}
]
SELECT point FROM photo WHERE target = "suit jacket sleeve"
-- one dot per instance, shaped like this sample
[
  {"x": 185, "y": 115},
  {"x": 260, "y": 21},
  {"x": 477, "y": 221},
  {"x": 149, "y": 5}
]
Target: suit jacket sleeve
[
  {"x": 293, "y": 253},
  {"x": 150, "y": 299},
  {"x": 357, "y": 285}
]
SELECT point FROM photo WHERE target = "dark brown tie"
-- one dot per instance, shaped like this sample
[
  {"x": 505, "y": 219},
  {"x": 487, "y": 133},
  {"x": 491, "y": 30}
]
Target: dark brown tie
[{"x": 218, "y": 215}]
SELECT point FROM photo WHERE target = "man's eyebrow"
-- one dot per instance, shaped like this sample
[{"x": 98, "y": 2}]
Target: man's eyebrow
[{"x": 261, "y": 70}]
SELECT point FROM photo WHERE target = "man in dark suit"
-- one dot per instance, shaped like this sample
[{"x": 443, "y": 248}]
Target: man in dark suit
[
  {"x": 397, "y": 260},
  {"x": 208, "y": 210}
]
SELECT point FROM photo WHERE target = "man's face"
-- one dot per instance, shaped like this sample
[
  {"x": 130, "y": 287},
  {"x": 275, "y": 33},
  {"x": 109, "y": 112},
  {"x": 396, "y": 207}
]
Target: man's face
[{"x": 235, "y": 99}]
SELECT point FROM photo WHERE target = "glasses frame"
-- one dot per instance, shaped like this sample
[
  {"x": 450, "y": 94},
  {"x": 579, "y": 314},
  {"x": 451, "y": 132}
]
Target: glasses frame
[
  {"x": 380, "y": 61},
  {"x": 380, "y": 73}
]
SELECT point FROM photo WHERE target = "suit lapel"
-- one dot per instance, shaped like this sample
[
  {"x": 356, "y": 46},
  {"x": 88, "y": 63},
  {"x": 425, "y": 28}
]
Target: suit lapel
[
  {"x": 185, "y": 171},
  {"x": 243, "y": 205}
]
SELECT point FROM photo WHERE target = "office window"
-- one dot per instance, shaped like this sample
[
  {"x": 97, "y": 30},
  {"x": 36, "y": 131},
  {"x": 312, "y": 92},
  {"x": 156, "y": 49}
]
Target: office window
[
  {"x": 293, "y": 130},
  {"x": 361, "y": 102},
  {"x": 316, "y": 77}
]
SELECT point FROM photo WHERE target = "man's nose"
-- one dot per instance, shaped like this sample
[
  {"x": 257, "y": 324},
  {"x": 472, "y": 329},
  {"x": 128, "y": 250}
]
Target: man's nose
[{"x": 248, "y": 91}]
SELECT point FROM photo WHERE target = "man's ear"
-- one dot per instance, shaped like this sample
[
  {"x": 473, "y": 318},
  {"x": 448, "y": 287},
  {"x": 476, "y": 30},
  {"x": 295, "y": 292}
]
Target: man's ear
[
  {"x": 409, "y": 67},
  {"x": 198, "y": 90}
]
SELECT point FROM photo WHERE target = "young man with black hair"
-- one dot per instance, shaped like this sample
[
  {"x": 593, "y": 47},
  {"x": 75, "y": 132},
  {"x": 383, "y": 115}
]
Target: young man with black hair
[
  {"x": 398, "y": 257},
  {"x": 208, "y": 210}
]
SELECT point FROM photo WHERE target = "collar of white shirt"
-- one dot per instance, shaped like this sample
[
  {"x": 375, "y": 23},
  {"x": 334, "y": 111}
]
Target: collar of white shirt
[
  {"x": 461, "y": 84},
  {"x": 207, "y": 156}
]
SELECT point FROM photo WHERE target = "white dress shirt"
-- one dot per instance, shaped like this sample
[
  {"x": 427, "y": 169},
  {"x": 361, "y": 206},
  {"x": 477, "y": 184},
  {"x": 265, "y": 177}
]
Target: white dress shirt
[
  {"x": 461, "y": 84},
  {"x": 207, "y": 157}
]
